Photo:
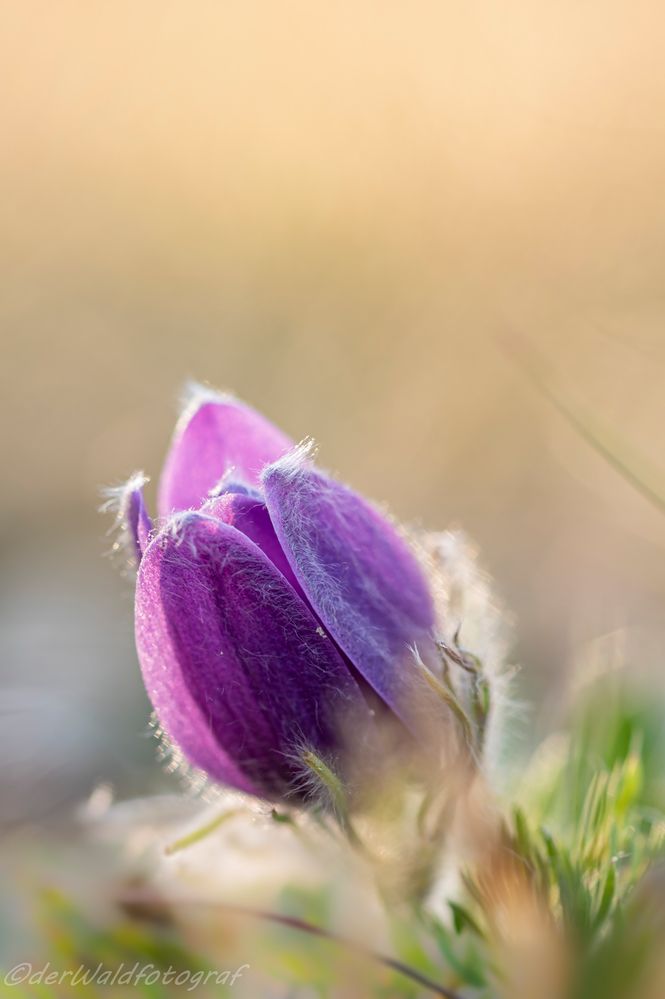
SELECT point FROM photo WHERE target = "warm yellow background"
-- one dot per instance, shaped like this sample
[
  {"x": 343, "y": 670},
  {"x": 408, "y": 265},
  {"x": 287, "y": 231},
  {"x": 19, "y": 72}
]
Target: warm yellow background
[{"x": 336, "y": 210}]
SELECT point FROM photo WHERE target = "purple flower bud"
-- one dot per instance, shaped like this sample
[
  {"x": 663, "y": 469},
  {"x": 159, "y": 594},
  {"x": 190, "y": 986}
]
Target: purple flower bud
[{"x": 261, "y": 618}]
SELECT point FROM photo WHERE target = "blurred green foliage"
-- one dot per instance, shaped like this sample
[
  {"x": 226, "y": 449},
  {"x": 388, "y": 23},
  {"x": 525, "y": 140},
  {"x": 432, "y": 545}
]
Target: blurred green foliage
[{"x": 582, "y": 833}]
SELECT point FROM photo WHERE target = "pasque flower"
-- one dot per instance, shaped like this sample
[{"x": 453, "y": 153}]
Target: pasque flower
[{"x": 273, "y": 604}]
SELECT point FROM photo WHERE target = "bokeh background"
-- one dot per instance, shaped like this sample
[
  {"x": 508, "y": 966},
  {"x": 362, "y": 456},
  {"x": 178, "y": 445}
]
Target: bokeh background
[{"x": 338, "y": 211}]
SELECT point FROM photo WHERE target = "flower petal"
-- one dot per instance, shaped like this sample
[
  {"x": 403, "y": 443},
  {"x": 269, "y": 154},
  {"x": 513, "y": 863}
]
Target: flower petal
[
  {"x": 358, "y": 574},
  {"x": 249, "y": 514},
  {"x": 239, "y": 672},
  {"x": 215, "y": 433},
  {"x": 138, "y": 519},
  {"x": 133, "y": 521},
  {"x": 229, "y": 483}
]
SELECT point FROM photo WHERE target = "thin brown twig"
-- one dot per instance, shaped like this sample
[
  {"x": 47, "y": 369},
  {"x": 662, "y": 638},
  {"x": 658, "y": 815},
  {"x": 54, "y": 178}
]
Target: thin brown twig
[{"x": 133, "y": 901}]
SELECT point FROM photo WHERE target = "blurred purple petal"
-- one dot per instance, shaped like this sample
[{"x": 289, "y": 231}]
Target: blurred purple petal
[
  {"x": 239, "y": 672},
  {"x": 216, "y": 433},
  {"x": 359, "y": 575}
]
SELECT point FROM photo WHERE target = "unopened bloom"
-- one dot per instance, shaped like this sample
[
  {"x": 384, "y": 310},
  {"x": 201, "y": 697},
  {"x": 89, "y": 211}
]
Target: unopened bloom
[{"x": 270, "y": 601}]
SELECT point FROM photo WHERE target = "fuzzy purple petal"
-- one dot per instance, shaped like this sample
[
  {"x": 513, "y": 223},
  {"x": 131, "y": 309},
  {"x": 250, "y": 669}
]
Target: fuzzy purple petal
[
  {"x": 229, "y": 483},
  {"x": 138, "y": 519},
  {"x": 249, "y": 514},
  {"x": 360, "y": 577},
  {"x": 240, "y": 674},
  {"x": 132, "y": 519},
  {"x": 214, "y": 435}
]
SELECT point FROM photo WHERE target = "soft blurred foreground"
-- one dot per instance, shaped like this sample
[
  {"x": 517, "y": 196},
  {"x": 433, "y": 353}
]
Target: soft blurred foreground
[{"x": 344, "y": 214}]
